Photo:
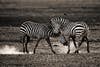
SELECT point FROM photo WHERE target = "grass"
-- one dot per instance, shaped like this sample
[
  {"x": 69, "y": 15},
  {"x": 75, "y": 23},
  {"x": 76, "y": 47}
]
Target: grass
[
  {"x": 45, "y": 60},
  {"x": 44, "y": 57}
]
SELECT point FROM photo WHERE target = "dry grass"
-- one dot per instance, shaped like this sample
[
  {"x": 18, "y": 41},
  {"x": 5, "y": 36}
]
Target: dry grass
[
  {"x": 51, "y": 60},
  {"x": 44, "y": 57}
]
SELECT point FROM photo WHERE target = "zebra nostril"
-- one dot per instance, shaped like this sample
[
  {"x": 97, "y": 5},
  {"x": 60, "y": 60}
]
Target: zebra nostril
[{"x": 59, "y": 32}]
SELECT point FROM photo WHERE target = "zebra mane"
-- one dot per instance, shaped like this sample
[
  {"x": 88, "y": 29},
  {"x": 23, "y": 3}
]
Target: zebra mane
[
  {"x": 49, "y": 25},
  {"x": 59, "y": 20}
]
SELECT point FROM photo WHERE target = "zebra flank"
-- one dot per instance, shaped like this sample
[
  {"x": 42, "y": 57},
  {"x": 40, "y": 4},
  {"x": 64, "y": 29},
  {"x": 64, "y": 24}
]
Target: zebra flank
[{"x": 40, "y": 31}]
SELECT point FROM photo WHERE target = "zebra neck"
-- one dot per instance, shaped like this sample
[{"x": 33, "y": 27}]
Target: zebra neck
[
  {"x": 51, "y": 31},
  {"x": 52, "y": 34}
]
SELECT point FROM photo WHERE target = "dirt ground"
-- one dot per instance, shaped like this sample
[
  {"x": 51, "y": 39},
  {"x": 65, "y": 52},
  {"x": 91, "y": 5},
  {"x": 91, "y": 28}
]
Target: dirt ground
[
  {"x": 51, "y": 60},
  {"x": 9, "y": 41}
]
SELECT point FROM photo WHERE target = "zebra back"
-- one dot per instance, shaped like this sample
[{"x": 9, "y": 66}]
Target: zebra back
[{"x": 33, "y": 29}]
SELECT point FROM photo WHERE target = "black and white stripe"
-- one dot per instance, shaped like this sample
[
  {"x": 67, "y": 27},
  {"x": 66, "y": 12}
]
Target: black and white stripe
[
  {"x": 78, "y": 31},
  {"x": 40, "y": 31},
  {"x": 61, "y": 21}
]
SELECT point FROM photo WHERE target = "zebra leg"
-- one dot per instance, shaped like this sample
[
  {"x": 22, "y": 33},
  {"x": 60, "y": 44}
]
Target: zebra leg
[
  {"x": 68, "y": 45},
  {"x": 23, "y": 46},
  {"x": 73, "y": 38},
  {"x": 79, "y": 44},
  {"x": 68, "y": 49},
  {"x": 87, "y": 41},
  {"x": 36, "y": 45},
  {"x": 48, "y": 41},
  {"x": 83, "y": 39},
  {"x": 28, "y": 39},
  {"x": 25, "y": 42},
  {"x": 22, "y": 40}
]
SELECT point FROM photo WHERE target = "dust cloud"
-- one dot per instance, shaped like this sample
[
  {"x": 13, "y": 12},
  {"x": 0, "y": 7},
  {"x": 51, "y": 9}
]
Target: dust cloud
[
  {"x": 60, "y": 49},
  {"x": 10, "y": 50}
]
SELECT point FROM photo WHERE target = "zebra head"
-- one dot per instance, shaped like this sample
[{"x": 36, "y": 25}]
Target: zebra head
[
  {"x": 56, "y": 27},
  {"x": 62, "y": 22}
]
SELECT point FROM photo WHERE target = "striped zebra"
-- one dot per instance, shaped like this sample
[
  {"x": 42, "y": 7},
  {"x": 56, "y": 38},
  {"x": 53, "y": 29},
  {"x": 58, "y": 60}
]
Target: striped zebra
[
  {"x": 39, "y": 31},
  {"x": 77, "y": 31}
]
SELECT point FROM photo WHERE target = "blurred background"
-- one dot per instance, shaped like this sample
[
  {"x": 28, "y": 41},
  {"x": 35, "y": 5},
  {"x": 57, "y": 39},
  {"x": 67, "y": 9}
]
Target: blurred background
[{"x": 14, "y": 12}]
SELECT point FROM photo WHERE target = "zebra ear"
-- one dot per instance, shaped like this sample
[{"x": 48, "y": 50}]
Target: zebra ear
[{"x": 51, "y": 20}]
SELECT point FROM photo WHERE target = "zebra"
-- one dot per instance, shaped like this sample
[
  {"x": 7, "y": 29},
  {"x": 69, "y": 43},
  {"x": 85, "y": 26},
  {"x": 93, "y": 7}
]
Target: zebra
[
  {"x": 77, "y": 31},
  {"x": 40, "y": 31}
]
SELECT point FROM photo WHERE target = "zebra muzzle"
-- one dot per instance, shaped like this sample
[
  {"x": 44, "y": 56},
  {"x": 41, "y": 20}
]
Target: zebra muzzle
[{"x": 65, "y": 43}]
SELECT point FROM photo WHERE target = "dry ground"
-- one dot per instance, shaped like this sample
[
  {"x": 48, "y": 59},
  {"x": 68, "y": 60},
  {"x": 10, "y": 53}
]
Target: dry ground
[
  {"x": 44, "y": 57},
  {"x": 51, "y": 60}
]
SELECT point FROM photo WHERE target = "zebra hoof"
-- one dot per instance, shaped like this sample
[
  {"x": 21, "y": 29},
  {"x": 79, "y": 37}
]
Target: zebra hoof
[
  {"x": 76, "y": 52},
  {"x": 34, "y": 52},
  {"x": 68, "y": 52},
  {"x": 54, "y": 52},
  {"x": 88, "y": 51},
  {"x": 27, "y": 52}
]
